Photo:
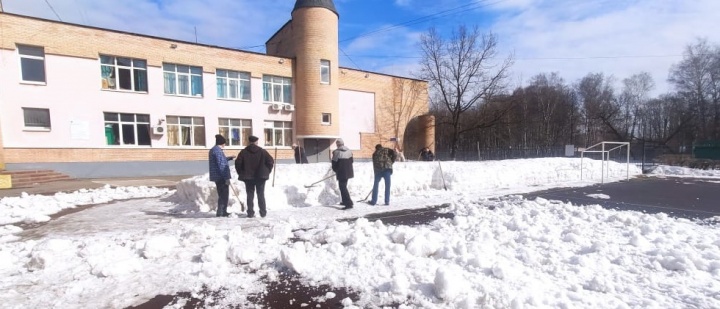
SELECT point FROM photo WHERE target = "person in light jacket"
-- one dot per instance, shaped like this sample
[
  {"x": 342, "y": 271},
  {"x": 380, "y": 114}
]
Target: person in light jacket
[
  {"x": 253, "y": 166},
  {"x": 220, "y": 174},
  {"x": 342, "y": 165}
]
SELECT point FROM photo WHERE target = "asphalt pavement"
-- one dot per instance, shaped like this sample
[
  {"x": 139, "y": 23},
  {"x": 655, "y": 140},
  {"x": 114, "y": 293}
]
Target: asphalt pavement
[{"x": 690, "y": 198}]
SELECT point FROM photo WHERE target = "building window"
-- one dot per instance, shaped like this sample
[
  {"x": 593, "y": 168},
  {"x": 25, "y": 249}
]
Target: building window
[
  {"x": 326, "y": 119},
  {"x": 32, "y": 63},
  {"x": 36, "y": 118},
  {"x": 127, "y": 129},
  {"x": 235, "y": 131},
  {"x": 277, "y": 89},
  {"x": 278, "y": 133},
  {"x": 233, "y": 85},
  {"x": 183, "y": 80},
  {"x": 185, "y": 131},
  {"x": 123, "y": 73},
  {"x": 325, "y": 71}
]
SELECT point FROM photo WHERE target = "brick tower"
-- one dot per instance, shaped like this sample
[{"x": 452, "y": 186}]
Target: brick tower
[{"x": 311, "y": 38}]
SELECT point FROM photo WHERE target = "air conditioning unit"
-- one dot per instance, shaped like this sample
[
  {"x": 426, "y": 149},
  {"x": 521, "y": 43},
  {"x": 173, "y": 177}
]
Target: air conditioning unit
[
  {"x": 290, "y": 107},
  {"x": 159, "y": 130},
  {"x": 277, "y": 107}
]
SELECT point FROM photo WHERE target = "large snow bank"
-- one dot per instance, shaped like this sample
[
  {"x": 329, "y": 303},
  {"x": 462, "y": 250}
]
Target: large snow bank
[{"x": 678, "y": 171}]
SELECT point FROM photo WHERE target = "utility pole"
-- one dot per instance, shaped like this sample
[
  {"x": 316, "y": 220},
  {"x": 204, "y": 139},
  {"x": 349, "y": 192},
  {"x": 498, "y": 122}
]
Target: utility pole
[{"x": 1, "y": 9}]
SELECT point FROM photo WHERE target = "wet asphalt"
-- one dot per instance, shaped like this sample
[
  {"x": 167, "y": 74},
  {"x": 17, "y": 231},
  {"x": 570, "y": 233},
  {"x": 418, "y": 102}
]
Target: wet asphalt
[{"x": 690, "y": 198}]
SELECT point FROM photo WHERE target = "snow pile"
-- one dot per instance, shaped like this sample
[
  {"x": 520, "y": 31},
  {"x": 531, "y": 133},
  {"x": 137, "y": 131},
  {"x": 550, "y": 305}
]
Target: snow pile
[
  {"x": 678, "y": 171},
  {"x": 409, "y": 178},
  {"x": 37, "y": 208}
]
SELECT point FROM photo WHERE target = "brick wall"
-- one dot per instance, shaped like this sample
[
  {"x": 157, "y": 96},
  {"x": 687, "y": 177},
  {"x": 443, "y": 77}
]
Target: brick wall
[{"x": 23, "y": 155}]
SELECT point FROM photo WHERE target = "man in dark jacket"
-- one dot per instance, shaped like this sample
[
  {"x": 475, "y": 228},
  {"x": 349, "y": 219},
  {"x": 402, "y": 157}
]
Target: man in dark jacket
[
  {"x": 300, "y": 157},
  {"x": 342, "y": 165},
  {"x": 383, "y": 159},
  {"x": 220, "y": 174},
  {"x": 253, "y": 166}
]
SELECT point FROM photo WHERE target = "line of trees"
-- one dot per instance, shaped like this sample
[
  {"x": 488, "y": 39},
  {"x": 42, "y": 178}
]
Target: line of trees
[{"x": 474, "y": 106}]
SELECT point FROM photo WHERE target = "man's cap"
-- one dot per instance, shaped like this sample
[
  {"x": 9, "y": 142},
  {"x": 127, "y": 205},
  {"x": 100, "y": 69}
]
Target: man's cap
[{"x": 219, "y": 139}]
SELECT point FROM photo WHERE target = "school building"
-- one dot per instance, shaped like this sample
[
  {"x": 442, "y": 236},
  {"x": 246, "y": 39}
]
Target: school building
[{"x": 88, "y": 102}]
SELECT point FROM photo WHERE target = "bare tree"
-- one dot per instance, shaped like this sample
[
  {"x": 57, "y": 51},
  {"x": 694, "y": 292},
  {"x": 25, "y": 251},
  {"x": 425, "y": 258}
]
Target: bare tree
[
  {"x": 632, "y": 99},
  {"x": 599, "y": 109},
  {"x": 462, "y": 76},
  {"x": 697, "y": 80}
]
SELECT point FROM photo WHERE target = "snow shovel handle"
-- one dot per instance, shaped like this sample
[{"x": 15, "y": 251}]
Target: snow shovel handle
[{"x": 321, "y": 180}]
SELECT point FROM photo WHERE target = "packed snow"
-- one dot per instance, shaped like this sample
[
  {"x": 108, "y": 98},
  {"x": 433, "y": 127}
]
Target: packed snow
[
  {"x": 599, "y": 196},
  {"x": 679, "y": 171},
  {"x": 499, "y": 251}
]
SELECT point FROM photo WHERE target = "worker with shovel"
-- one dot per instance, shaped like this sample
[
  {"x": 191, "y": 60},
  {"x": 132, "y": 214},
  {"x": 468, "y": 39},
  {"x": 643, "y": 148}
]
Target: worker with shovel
[
  {"x": 220, "y": 174},
  {"x": 342, "y": 165},
  {"x": 253, "y": 166}
]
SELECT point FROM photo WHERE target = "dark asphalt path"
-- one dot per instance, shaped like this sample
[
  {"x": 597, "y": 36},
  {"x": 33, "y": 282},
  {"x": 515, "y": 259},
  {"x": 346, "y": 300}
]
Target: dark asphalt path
[{"x": 691, "y": 198}]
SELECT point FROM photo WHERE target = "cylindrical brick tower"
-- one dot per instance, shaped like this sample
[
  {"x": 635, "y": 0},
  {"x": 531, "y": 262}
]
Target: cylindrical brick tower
[{"x": 315, "y": 35}]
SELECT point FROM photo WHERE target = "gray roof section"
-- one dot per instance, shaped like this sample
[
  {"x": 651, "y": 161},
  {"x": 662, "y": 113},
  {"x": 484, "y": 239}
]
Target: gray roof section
[{"x": 328, "y": 4}]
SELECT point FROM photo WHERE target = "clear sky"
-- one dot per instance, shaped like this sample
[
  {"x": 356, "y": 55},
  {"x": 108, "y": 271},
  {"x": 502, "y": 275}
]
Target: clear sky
[{"x": 571, "y": 37}]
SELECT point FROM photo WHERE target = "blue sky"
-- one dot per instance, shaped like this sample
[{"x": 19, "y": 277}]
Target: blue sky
[{"x": 571, "y": 37}]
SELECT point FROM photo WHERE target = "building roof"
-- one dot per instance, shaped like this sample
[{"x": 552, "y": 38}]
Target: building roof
[{"x": 328, "y": 4}]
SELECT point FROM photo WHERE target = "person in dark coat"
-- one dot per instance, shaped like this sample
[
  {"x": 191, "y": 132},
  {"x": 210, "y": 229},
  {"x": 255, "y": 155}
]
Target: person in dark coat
[
  {"x": 220, "y": 174},
  {"x": 342, "y": 165},
  {"x": 253, "y": 166},
  {"x": 426, "y": 154},
  {"x": 383, "y": 159},
  {"x": 300, "y": 157}
]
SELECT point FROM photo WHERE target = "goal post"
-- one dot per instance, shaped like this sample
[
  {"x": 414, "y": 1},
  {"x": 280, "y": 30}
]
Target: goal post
[{"x": 604, "y": 149}]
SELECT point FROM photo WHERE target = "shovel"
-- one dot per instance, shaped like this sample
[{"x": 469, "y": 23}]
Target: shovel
[
  {"x": 242, "y": 205},
  {"x": 319, "y": 181}
]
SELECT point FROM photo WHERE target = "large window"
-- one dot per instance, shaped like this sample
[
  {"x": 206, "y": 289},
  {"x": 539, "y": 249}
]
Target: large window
[
  {"x": 277, "y": 89},
  {"x": 325, "y": 71},
  {"x": 123, "y": 73},
  {"x": 185, "y": 131},
  {"x": 127, "y": 129},
  {"x": 36, "y": 118},
  {"x": 235, "y": 131},
  {"x": 278, "y": 133},
  {"x": 233, "y": 85},
  {"x": 183, "y": 80},
  {"x": 32, "y": 63}
]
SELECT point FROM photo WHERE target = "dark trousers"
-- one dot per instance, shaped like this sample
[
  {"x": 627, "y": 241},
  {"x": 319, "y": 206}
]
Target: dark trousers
[
  {"x": 223, "y": 195},
  {"x": 250, "y": 187},
  {"x": 344, "y": 194},
  {"x": 382, "y": 175}
]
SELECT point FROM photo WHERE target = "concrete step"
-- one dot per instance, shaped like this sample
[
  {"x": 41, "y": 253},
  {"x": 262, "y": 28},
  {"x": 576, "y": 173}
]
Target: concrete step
[{"x": 28, "y": 178}]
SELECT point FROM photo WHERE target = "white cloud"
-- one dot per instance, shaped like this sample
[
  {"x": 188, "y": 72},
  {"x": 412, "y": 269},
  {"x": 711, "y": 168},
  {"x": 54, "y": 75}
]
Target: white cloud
[{"x": 613, "y": 37}]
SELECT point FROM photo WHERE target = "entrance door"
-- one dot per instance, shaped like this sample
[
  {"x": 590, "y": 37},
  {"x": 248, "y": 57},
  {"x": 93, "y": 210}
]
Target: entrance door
[{"x": 317, "y": 150}]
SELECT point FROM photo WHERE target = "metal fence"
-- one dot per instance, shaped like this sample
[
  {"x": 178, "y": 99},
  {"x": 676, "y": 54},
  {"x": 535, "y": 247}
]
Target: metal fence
[{"x": 503, "y": 153}]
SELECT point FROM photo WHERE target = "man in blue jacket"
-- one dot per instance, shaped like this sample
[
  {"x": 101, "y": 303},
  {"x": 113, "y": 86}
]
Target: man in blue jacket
[
  {"x": 220, "y": 174},
  {"x": 342, "y": 165}
]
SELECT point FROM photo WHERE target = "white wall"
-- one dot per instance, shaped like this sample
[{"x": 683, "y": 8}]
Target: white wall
[
  {"x": 357, "y": 115},
  {"x": 73, "y": 94}
]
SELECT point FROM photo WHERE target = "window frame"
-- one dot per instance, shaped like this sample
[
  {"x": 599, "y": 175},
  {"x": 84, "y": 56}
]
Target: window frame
[
  {"x": 42, "y": 58},
  {"x": 136, "y": 129},
  {"x": 176, "y": 80},
  {"x": 325, "y": 65},
  {"x": 284, "y": 84},
  {"x": 285, "y": 131},
  {"x": 240, "y": 79},
  {"x": 322, "y": 119},
  {"x": 169, "y": 124},
  {"x": 27, "y": 127},
  {"x": 116, "y": 66},
  {"x": 242, "y": 138}
]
